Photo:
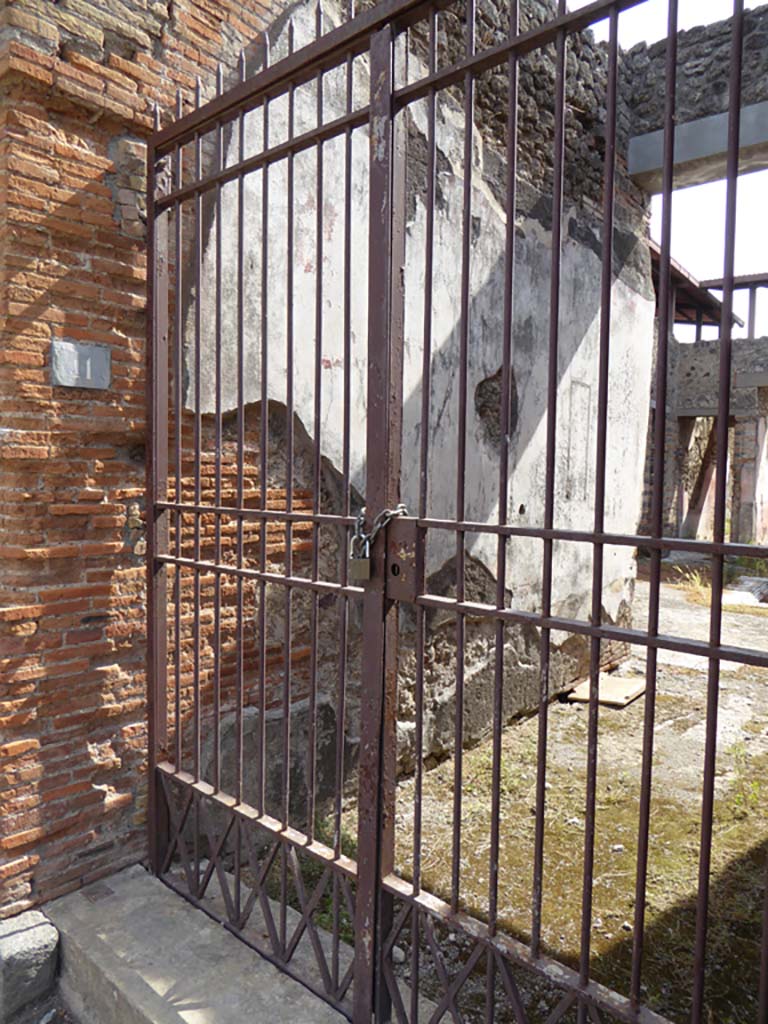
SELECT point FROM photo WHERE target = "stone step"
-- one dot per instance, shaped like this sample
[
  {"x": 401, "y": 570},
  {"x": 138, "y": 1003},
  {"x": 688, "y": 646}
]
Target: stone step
[{"x": 134, "y": 952}]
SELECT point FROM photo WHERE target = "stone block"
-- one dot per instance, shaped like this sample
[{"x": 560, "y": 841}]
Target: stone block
[{"x": 28, "y": 954}]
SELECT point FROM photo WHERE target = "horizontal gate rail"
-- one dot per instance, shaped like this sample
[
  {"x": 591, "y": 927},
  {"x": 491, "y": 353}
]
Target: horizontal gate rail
[{"x": 351, "y": 39}]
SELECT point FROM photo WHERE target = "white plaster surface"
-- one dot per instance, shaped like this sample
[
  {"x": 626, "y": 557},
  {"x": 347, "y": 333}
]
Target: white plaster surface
[{"x": 579, "y": 330}]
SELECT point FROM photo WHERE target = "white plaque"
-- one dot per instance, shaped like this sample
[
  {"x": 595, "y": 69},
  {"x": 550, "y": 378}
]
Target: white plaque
[{"x": 76, "y": 364}]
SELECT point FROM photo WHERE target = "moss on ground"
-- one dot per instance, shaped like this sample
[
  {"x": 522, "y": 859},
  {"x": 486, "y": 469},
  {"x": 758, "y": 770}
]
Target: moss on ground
[{"x": 739, "y": 848}]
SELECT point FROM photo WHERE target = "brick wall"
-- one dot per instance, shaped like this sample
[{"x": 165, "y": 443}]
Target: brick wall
[{"x": 78, "y": 82}]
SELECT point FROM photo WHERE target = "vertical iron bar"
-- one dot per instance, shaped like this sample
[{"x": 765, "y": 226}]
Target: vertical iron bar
[
  {"x": 178, "y": 411},
  {"x": 469, "y": 91},
  {"x": 657, "y": 503},
  {"x": 197, "y": 448},
  {"x": 381, "y": 489},
  {"x": 721, "y": 507},
  {"x": 217, "y": 462},
  {"x": 316, "y": 462},
  {"x": 341, "y": 695},
  {"x": 549, "y": 498},
  {"x": 609, "y": 194},
  {"x": 157, "y": 488},
  {"x": 289, "y": 451},
  {"x": 197, "y": 486},
  {"x": 240, "y": 501},
  {"x": 501, "y": 551},
  {"x": 261, "y": 751},
  {"x": 426, "y": 383},
  {"x": 421, "y": 547},
  {"x": 396, "y": 339}
]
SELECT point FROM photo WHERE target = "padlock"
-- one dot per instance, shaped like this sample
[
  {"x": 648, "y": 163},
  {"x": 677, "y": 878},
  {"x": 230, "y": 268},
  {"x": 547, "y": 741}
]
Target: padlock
[{"x": 359, "y": 559}]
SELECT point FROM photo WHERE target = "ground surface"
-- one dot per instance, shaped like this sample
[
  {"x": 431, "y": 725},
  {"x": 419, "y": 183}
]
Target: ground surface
[
  {"x": 740, "y": 837},
  {"x": 47, "y": 1011}
]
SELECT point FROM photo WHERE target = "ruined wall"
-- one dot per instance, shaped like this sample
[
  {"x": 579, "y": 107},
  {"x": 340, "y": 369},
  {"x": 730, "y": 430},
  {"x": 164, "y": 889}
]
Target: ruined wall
[
  {"x": 690, "y": 451},
  {"x": 631, "y": 343},
  {"x": 703, "y": 56},
  {"x": 78, "y": 81}
]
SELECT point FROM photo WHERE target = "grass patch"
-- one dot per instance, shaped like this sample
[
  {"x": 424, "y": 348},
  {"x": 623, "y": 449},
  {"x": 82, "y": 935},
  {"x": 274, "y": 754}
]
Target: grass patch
[{"x": 740, "y": 844}]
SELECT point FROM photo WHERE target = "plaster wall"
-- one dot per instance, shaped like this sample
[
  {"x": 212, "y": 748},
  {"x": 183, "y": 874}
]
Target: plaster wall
[{"x": 631, "y": 337}]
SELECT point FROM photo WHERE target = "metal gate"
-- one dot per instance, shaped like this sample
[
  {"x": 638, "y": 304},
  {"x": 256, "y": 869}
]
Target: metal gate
[{"x": 287, "y": 306}]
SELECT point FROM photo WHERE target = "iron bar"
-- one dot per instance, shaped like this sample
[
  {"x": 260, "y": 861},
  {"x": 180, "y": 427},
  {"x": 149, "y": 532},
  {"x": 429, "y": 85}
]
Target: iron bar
[
  {"x": 378, "y": 492},
  {"x": 721, "y": 502},
  {"x": 727, "y": 548},
  {"x": 261, "y": 751},
  {"x": 549, "y": 498},
  {"x": 240, "y": 600},
  {"x": 157, "y": 486},
  {"x": 461, "y": 458},
  {"x": 342, "y": 603},
  {"x": 501, "y": 550},
  {"x": 289, "y": 476},
  {"x": 197, "y": 441},
  {"x": 609, "y": 197},
  {"x": 217, "y": 457},
  {"x": 178, "y": 415},
  {"x": 186, "y": 832},
  {"x": 317, "y": 441},
  {"x": 354, "y": 37}
]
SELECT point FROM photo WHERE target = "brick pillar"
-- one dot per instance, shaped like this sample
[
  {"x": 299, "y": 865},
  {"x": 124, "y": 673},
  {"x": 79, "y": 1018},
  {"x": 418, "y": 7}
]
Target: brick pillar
[{"x": 77, "y": 86}]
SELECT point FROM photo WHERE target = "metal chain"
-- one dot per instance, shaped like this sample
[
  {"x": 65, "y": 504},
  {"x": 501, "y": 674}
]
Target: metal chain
[{"x": 382, "y": 519}]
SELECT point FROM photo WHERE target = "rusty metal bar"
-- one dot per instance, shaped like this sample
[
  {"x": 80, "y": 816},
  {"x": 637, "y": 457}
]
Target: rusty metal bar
[
  {"x": 289, "y": 476},
  {"x": 299, "y": 143},
  {"x": 379, "y": 491},
  {"x": 343, "y": 601},
  {"x": 178, "y": 415},
  {"x": 657, "y": 505},
  {"x": 721, "y": 509},
  {"x": 317, "y": 441},
  {"x": 353, "y": 38},
  {"x": 376, "y": 886},
  {"x": 501, "y": 551},
  {"x": 727, "y": 548},
  {"x": 197, "y": 442},
  {"x": 261, "y": 752},
  {"x": 461, "y": 471},
  {"x": 549, "y": 499},
  {"x": 762, "y": 1013},
  {"x": 157, "y": 519},
  {"x": 240, "y": 598},
  {"x": 217, "y": 458},
  {"x": 609, "y": 198}
]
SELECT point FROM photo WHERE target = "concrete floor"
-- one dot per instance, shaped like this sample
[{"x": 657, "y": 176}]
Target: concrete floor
[{"x": 133, "y": 952}]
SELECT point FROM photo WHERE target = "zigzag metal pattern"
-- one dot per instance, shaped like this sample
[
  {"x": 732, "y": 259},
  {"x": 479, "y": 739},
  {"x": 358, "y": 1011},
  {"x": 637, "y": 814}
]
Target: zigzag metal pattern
[
  {"x": 446, "y": 1004},
  {"x": 191, "y": 820}
]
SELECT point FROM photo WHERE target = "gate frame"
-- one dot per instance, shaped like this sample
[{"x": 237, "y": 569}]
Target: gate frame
[{"x": 375, "y": 31}]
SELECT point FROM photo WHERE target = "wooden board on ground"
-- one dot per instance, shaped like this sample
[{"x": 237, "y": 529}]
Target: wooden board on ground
[{"x": 615, "y": 691}]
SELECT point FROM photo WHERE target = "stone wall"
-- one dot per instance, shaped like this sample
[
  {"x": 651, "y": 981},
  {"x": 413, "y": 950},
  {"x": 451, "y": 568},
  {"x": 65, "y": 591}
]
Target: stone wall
[
  {"x": 690, "y": 451},
  {"x": 703, "y": 57}
]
